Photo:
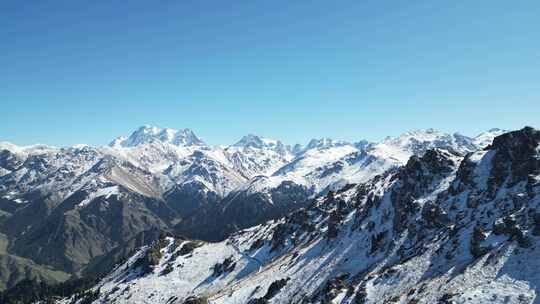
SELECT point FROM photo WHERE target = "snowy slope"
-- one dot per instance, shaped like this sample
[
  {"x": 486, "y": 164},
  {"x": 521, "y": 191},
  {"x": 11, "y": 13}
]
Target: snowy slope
[
  {"x": 485, "y": 139},
  {"x": 48, "y": 170},
  {"x": 327, "y": 164},
  {"x": 206, "y": 168},
  {"x": 418, "y": 141},
  {"x": 254, "y": 155},
  {"x": 147, "y": 134},
  {"x": 445, "y": 228}
]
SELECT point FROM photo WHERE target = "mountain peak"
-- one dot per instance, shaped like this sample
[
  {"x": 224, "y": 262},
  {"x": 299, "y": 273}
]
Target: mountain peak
[
  {"x": 485, "y": 139},
  {"x": 324, "y": 143},
  {"x": 254, "y": 141},
  {"x": 416, "y": 142},
  {"x": 147, "y": 133},
  {"x": 426, "y": 135},
  {"x": 422, "y": 134}
]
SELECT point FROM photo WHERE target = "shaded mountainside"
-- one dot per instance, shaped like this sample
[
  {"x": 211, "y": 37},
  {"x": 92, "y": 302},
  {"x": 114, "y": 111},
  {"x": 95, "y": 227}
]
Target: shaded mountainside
[
  {"x": 16, "y": 269},
  {"x": 444, "y": 228},
  {"x": 67, "y": 210},
  {"x": 243, "y": 209},
  {"x": 82, "y": 218}
]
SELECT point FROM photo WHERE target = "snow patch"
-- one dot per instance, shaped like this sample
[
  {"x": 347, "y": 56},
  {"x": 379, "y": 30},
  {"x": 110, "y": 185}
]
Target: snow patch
[{"x": 106, "y": 192}]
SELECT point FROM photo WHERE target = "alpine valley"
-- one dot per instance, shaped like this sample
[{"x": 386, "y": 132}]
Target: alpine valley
[{"x": 162, "y": 217}]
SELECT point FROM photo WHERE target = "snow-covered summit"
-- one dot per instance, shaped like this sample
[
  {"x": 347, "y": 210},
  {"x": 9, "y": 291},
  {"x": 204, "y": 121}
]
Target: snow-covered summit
[
  {"x": 147, "y": 134},
  {"x": 254, "y": 155},
  {"x": 324, "y": 143},
  {"x": 418, "y": 141},
  {"x": 485, "y": 139},
  {"x": 26, "y": 150},
  {"x": 254, "y": 141}
]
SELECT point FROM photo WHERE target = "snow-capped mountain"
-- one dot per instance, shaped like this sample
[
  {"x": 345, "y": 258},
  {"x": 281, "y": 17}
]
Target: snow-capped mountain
[
  {"x": 417, "y": 142},
  {"x": 50, "y": 170},
  {"x": 324, "y": 143},
  {"x": 254, "y": 141},
  {"x": 65, "y": 220},
  {"x": 444, "y": 228},
  {"x": 147, "y": 134},
  {"x": 485, "y": 139},
  {"x": 166, "y": 153},
  {"x": 320, "y": 166},
  {"x": 254, "y": 155},
  {"x": 325, "y": 164},
  {"x": 167, "y": 179}
]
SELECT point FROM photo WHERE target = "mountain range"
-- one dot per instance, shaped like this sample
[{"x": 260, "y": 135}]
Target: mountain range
[
  {"x": 443, "y": 228},
  {"x": 74, "y": 211}
]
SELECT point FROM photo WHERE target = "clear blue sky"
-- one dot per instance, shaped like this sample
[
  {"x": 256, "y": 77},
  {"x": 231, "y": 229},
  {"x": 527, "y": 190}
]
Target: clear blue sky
[{"x": 87, "y": 71}]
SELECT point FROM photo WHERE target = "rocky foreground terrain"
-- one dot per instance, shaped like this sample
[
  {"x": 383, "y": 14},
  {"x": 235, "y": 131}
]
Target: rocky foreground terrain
[{"x": 443, "y": 228}]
